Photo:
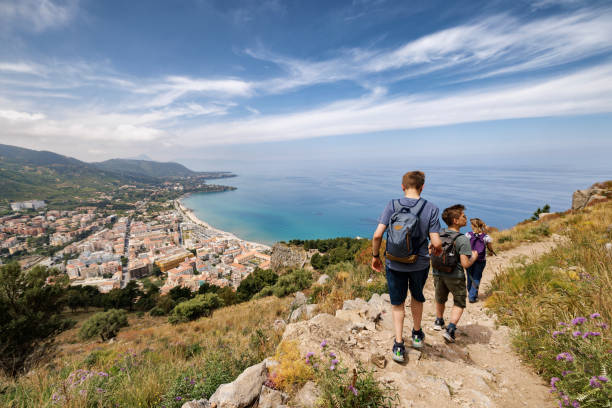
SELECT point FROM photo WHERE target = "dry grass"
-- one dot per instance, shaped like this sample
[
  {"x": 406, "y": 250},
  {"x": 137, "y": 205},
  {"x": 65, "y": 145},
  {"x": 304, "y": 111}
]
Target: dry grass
[{"x": 146, "y": 358}]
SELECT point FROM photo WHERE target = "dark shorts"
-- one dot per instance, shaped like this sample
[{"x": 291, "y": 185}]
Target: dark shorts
[
  {"x": 456, "y": 286},
  {"x": 400, "y": 282}
]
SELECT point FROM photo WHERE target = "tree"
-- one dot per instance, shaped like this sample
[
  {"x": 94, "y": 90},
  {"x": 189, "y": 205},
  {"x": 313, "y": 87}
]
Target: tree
[
  {"x": 201, "y": 305},
  {"x": 30, "y": 315},
  {"x": 180, "y": 293},
  {"x": 255, "y": 282},
  {"x": 104, "y": 324}
]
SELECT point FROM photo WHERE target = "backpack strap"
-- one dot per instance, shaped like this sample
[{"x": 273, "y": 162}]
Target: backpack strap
[{"x": 419, "y": 208}]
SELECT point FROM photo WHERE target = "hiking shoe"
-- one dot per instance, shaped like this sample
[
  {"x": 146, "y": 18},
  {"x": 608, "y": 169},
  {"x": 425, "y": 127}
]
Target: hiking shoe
[
  {"x": 418, "y": 338},
  {"x": 439, "y": 324},
  {"x": 399, "y": 352},
  {"x": 473, "y": 300},
  {"x": 449, "y": 334}
]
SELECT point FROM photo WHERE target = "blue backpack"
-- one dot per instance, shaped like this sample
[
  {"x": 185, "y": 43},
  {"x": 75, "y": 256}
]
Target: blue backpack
[{"x": 403, "y": 234}]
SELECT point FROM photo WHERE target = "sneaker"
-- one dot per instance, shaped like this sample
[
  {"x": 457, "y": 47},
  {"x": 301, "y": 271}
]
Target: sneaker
[
  {"x": 399, "y": 351},
  {"x": 449, "y": 334},
  {"x": 418, "y": 338},
  {"x": 473, "y": 300},
  {"x": 439, "y": 324}
]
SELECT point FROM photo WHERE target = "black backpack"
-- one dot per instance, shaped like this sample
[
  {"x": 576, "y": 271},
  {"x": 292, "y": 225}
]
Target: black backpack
[
  {"x": 403, "y": 235},
  {"x": 446, "y": 262}
]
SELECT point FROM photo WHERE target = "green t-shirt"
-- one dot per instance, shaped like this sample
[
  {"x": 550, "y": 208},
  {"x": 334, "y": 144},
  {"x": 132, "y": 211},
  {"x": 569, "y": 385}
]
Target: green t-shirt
[{"x": 462, "y": 243}]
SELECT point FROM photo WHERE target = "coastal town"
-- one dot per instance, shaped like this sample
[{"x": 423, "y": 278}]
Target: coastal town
[{"x": 107, "y": 250}]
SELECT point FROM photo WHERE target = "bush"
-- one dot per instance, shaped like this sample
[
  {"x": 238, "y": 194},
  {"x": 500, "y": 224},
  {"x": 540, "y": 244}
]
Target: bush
[
  {"x": 254, "y": 283},
  {"x": 104, "y": 324},
  {"x": 292, "y": 282},
  {"x": 186, "y": 387},
  {"x": 30, "y": 315},
  {"x": 201, "y": 305}
]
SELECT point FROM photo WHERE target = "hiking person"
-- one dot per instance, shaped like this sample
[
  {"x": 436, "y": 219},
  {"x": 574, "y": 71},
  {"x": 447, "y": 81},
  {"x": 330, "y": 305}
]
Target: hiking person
[
  {"x": 410, "y": 222},
  {"x": 448, "y": 269},
  {"x": 480, "y": 241}
]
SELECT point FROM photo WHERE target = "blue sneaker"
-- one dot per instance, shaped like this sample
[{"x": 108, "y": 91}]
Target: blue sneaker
[
  {"x": 418, "y": 338},
  {"x": 399, "y": 352}
]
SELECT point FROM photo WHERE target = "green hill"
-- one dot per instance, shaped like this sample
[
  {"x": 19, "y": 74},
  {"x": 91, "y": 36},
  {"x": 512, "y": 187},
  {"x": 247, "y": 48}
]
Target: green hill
[{"x": 148, "y": 168}]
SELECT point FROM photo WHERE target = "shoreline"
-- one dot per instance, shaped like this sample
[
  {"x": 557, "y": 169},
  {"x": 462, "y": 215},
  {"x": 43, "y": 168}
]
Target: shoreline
[{"x": 189, "y": 214}]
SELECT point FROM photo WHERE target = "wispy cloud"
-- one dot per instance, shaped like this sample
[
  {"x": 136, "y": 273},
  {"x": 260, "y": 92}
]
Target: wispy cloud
[
  {"x": 37, "y": 15},
  {"x": 18, "y": 67}
]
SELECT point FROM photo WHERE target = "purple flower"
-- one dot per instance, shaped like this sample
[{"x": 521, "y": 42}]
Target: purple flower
[
  {"x": 103, "y": 374},
  {"x": 575, "y": 404},
  {"x": 332, "y": 354},
  {"x": 178, "y": 398},
  {"x": 335, "y": 361},
  {"x": 192, "y": 382},
  {"x": 332, "y": 367},
  {"x": 603, "y": 325},
  {"x": 565, "y": 356},
  {"x": 578, "y": 320},
  {"x": 324, "y": 343},
  {"x": 353, "y": 390},
  {"x": 595, "y": 315},
  {"x": 556, "y": 333},
  {"x": 576, "y": 334},
  {"x": 594, "y": 383},
  {"x": 307, "y": 360},
  {"x": 562, "y": 324},
  {"x": 100, "y": 390},
  {"x": 309, "y": 354},
  {"x": 554, "y": 380},
  {"x": 566, "y": 372},
  {"x": 602, "y": 378}
]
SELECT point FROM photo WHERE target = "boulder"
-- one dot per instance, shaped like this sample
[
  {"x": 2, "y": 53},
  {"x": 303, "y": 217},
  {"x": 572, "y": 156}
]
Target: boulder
[
  {"x": 284, "y": 256},
  {"x": 203, "y": 403},
  {"x": 279, "y": 324},
  {"x": 596, "y": 193},
  {"x": 323, "y": 279},
  {"x": 270, "y": 398},
  {"x": 243, "y": 390},
  {"x": 307, "y": 396}
]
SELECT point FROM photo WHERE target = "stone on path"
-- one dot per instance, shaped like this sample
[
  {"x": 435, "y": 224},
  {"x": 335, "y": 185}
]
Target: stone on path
[{"x": 243, "y": 390}]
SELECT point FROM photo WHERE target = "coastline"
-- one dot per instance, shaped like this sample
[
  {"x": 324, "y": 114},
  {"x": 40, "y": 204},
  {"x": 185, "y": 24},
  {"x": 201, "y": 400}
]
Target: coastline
[{"x": 189, "y": 214}]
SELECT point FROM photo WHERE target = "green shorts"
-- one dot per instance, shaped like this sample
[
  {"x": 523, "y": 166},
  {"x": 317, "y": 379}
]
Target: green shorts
[{"x": 456, "y": 286}]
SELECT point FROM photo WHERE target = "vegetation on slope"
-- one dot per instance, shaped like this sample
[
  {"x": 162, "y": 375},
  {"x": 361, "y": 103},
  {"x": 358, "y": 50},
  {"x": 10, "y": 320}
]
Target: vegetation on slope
[{"x": 561, "y": 308}]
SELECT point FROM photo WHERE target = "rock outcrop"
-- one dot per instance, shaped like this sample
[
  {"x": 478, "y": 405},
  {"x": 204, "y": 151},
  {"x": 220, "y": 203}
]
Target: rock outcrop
[
  {"x": 598, "y": 192},
  {"x": 285, "y": 256}
]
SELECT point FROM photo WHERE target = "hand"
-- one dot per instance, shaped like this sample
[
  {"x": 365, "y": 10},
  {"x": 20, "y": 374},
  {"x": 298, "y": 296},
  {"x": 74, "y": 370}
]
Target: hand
[
  {"x": 376, "y": 264},
  {"x": 434, "y": 250},
  {"x": 474, "y": 254}
]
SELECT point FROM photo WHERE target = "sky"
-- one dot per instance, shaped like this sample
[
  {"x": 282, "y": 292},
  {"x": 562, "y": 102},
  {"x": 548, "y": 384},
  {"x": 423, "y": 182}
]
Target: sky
[{"x": 220, "y": 84}]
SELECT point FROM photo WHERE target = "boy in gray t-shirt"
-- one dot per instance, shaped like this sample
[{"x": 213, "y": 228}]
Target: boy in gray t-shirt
[{"x": 454, "y": 281}]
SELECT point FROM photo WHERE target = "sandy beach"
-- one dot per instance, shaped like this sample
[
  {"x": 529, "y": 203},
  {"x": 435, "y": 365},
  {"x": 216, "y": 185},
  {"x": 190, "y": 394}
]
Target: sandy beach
[{"x": 189, "y": 214}]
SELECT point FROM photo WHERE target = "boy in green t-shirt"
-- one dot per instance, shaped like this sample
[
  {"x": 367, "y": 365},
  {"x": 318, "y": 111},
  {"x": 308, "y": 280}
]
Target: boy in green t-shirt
[{"x": 454, "y": 281}]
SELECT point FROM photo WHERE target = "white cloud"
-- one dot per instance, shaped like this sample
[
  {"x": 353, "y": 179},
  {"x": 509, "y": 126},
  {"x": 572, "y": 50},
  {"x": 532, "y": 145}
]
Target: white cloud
[
  {"x": 584, "y": 92},
  {"x": 17, "y": 116},
  {"x": 37, "y": 15},
  {"x": 18, "y": 67}
]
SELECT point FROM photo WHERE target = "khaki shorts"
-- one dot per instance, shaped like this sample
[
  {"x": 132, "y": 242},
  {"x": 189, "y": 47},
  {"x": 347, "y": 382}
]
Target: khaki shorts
[{"x": 456, "y": 286}]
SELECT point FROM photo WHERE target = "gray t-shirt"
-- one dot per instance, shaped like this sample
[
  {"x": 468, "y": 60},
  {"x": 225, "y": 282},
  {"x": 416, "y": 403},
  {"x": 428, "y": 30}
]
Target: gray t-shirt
[
  {"x": 428, "y": 222},
  {"x": 462, "y": 243}
]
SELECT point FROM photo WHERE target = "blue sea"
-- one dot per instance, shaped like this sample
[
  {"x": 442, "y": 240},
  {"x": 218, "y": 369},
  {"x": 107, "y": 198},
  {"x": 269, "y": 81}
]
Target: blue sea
[{"x": 314, "y": 200}]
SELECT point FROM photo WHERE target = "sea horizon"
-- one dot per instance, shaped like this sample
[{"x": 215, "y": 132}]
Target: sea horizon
[{"x": 306, "y": 202}]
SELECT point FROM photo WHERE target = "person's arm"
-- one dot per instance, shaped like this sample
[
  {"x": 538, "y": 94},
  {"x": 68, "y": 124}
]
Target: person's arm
[
  {"x": 435, "y": 243},
  {"x": 376, "y": 241},
  {"x": 467, "y": 262}
]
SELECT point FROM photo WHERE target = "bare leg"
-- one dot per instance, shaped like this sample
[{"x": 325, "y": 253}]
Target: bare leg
[
  {"x": 456, "y": 313},
  {"x": 417, "y": 313},
  {"x": 440, "y": 310},
  {"x": 398, "y": 321}
]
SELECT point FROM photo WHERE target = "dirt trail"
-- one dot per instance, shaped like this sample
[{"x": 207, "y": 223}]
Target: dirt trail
[{"x": 479, "y": 370}]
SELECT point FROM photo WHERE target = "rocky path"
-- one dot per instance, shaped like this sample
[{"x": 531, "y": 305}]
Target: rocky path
[{"x": 479, "y": 370}]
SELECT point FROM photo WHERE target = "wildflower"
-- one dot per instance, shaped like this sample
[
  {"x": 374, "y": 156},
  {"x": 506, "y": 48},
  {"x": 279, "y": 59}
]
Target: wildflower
[
  {"x": 353, "y": 390},
  {"x": 602, "y": 378},
  {"x": 103, "y": 374},
  {"x": 594, "y": 383},
  {"x": 578, "y": 320},
  {"x": 576, "y": 334},
  {"x": 332, "y": 367},
  {"x": 100, "y": 390},
  {"x": 307, "y": 360},
  {"x": 556, "y": 333},
  {"x": 192, "y": 382},
  {"x": 179, "y": 398},
  {"x": 563, "y": 324},
  {"x": 595, "y": 316},
  {"x": 566, "y": 372},
  {"x": 335, "y": 361},
  {"x": 324, "y": 343},
  {"x": 603, "y": 325},
  {"x": 575, "y": 404},
  {"x": 83, "y": 392},
  {"x": 332, "y": 354},
  {"x": 553, "y": 381},
  {"x": 309, "y": 354},
  {"x": 565, "y": 356}
]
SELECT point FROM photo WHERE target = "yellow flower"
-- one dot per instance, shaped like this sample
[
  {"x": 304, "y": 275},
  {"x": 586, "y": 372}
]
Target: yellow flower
[{"x": 573, "y": 275}]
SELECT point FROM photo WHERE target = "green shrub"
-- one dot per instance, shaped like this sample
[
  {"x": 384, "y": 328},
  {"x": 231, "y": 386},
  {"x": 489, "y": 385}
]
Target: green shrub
[
  {"x": 201, "y": 305},
  {"x": 254, "y": 283},
  {"x": 504, "y": 238},
  {"x": 292, "y": 282},
  {"x": 186, "y": 387},
  {"x": 104, "y": 324}
]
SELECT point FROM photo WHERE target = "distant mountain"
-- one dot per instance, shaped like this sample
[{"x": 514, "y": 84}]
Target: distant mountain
[
  {"x": 140, "y": 157},
  {"x": 145, "y": 168},
  {"x": 28, "y": 174}
]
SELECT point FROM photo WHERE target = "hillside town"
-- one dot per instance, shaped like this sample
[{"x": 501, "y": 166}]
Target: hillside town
[{"x": 95, "y": 248}]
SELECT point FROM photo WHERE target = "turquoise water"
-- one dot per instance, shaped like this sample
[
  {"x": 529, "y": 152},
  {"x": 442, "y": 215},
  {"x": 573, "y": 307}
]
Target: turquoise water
[{"x": 322, "y": 201}]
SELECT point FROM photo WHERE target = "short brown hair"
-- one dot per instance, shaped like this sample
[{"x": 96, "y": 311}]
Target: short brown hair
[
  {"x": 413, "y": 179},
  {"x": 450, "y": 214}
]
